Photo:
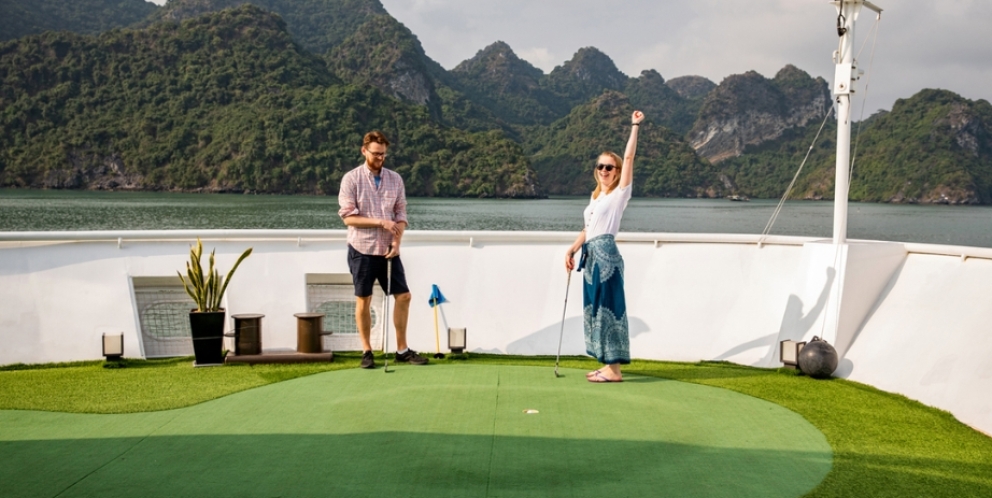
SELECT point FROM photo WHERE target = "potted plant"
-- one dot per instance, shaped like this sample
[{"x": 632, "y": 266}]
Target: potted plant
[{"x": 207, "y": 320}]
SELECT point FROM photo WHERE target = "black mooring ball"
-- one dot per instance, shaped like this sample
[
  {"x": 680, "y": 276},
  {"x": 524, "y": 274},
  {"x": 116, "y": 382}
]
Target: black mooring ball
[{"x": 818, "y": 359}]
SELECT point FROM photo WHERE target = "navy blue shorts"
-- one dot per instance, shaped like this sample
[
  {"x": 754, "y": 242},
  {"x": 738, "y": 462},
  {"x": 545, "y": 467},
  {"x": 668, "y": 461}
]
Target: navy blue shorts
[{"x": 365, "y": 270}]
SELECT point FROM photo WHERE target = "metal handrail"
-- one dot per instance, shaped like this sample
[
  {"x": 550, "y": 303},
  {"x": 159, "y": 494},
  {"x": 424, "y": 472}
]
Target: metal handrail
[{"x": 458, "y": 236}]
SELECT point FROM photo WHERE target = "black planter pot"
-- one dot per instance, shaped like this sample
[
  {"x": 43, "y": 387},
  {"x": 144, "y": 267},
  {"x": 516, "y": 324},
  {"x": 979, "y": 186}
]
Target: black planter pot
[{"x": 208, "y": 336}]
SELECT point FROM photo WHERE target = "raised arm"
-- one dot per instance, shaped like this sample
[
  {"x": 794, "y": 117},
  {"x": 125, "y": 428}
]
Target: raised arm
[{"x": 627, "y": 173}]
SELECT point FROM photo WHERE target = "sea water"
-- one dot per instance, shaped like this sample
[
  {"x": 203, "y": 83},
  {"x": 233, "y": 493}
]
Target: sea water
[{"x": 28, "y": 210}]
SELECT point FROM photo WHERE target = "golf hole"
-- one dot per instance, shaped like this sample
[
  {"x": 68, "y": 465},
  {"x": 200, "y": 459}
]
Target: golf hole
[{"x": 531, "y": 411}]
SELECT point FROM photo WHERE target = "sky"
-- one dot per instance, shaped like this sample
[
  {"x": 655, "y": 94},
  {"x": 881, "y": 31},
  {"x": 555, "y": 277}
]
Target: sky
[{"x": 920, "y": 43}]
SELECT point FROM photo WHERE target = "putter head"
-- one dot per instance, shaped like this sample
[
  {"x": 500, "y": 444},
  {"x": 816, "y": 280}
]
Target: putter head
[
  {"x": 439, "y": 356},
  {"x": 556, "y": 372}
]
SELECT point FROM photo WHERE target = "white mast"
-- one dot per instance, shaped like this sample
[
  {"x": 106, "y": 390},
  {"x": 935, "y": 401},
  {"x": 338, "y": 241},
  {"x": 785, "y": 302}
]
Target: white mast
[{"x": 845, "y": 75}]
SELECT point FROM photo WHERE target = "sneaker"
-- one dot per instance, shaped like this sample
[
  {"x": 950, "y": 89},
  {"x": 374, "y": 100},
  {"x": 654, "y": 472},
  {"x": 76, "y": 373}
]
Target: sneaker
[
  {"x": 411, "y": 357},
  {"x": 368, "y": 360}
]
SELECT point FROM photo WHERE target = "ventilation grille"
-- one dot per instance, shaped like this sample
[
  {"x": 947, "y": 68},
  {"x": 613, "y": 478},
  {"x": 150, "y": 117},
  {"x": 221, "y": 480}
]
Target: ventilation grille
[
  {"x": 163, "y": 313},
  {"x": 337, "y": 303}
]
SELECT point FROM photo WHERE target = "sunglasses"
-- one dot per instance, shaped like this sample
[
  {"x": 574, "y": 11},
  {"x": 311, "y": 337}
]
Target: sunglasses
[{"x": 607, "y": 167}]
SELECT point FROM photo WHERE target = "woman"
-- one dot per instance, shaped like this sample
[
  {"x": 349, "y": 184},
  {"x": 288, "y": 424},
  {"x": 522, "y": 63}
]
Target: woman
[{"x": 605, "y": 309}]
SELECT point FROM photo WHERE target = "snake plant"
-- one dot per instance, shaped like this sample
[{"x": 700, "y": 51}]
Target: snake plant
[{"x": 208, "y": 288}]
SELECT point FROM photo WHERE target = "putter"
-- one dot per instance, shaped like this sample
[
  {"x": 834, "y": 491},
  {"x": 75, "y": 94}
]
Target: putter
[
  {"x": 385, "y": 313},
  {"x": 561, "y": 333}
]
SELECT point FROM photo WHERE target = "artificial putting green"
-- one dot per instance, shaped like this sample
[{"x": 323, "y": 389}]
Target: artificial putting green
[{"x": 446, "y": 430}]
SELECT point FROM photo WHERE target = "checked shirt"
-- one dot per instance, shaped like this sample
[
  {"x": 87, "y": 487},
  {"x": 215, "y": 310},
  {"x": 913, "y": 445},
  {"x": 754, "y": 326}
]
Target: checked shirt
[{"x": 359, "y": 196}]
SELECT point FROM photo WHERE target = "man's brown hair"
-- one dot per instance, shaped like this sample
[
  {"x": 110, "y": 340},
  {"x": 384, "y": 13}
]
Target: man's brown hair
[{"x": 375, "y": 136}]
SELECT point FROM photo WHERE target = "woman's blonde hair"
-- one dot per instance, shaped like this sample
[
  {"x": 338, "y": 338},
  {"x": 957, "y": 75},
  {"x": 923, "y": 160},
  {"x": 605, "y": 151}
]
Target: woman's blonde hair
[{"x": 595, "y": 173}]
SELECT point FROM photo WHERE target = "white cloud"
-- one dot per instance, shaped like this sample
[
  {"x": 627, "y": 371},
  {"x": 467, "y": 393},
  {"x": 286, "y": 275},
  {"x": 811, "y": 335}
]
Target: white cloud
[{"x": 539, "y": 57}]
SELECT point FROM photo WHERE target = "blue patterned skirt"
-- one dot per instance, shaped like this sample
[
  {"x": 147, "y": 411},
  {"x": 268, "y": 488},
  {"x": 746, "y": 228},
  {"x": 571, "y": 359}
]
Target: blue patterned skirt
[{"x": 604, "y": 306}]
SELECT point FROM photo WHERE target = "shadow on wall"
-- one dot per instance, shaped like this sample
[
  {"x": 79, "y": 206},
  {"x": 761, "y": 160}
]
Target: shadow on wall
[
  {"x": 545, "y": 341},
  {"x": 794, "y": 326}
]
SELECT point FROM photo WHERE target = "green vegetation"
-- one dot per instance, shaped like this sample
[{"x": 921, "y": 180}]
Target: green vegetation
[
  {"x": 764, "y": 171},
  {"x": 383, "y": 53},
  {"x": 28, "y": 17},
  {"x": 509, "y": 87},
  {"x": 883, "y": 444},
  {"x": 586, "y": 75},
  {"x": 217, "y": 96},
  {"x": 317, "y": 25},
  {"x": 207, "y": 292},
  {"x": 666, "y": 166},
  {"x": 665, "y": 106},
  {"x": 935, "y": 147},
  {"x": 222, "y": 102}
]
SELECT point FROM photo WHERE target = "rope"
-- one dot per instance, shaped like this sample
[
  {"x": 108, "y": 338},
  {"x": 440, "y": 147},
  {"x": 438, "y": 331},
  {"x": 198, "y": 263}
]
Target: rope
[
  {"x": 864, "y": 101},
  {"x": 788, "y": 190}
]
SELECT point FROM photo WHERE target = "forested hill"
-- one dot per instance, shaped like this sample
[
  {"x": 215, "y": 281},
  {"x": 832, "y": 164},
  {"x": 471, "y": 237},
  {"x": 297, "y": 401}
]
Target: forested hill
[
  {"x": 222, "y": 102},
  {"x": 317, "y": 25},
  {"x": 666, "y": 166},
  {"x": 272, "y": 97},
  {"x": 933, "y": 148},
  {"x": 27, "y": 17}
]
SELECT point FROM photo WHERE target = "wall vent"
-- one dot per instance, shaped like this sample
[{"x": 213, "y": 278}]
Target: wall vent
[
  {"x": 333, "y": 294},
  {"x": 163, "y": 316}
]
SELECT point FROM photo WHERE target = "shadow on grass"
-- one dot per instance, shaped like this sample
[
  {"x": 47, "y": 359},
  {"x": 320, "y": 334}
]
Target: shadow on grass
[
  {"x": 901, "y": 476},
  {"x": 399, "y": 464}
]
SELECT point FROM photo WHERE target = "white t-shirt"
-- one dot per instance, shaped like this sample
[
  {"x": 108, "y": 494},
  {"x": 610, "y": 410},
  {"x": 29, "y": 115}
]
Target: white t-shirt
[{"x": 603, "y": 214}]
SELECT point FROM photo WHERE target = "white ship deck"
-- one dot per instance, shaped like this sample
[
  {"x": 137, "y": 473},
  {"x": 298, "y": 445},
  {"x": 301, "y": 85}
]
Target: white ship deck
[{"x": 907, "y": 318}]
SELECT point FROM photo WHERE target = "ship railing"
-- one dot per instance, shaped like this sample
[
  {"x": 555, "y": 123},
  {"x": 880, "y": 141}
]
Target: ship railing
[{"x": 120, "y": 237}]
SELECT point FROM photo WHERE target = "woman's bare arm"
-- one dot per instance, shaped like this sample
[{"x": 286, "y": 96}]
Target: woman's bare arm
[{"x": 627, "y": 173}]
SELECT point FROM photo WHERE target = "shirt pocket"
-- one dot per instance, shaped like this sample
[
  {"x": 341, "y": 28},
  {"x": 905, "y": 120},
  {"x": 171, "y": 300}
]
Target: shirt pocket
[{"x": 389, "y": 202}]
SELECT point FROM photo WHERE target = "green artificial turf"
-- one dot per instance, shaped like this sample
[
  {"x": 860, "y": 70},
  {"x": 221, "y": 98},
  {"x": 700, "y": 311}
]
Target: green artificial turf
[
  {"x": 883, "y": 444},
  {"x": 143, "y": 385},
  {"x": 452, "y": 430}
]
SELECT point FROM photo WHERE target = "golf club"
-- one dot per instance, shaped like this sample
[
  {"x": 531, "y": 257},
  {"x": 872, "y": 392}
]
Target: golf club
[
  {"x": 385, "y": 317},
  {"x": 561, "y": 333}
]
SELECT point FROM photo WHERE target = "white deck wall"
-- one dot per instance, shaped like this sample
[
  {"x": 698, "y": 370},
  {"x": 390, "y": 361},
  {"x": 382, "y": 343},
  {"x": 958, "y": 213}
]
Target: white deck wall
[{"x": 689, "y": 297}]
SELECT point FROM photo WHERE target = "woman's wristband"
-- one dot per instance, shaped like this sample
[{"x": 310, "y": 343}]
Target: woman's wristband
[{"x": 635, "y": 124}]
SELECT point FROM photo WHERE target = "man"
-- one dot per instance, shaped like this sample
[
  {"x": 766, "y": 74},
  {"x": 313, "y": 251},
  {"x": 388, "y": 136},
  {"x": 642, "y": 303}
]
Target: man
[{"x": 373, "y": 205}]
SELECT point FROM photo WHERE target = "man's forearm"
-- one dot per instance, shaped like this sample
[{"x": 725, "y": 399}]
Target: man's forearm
[{"x": 363, "y": 222}]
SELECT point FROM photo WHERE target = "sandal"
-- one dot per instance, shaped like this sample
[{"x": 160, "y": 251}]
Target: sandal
[{"x": 598, "y": 377}]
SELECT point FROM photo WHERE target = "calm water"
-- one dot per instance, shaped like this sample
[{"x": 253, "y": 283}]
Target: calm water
[{"x": 72, "y": 210}]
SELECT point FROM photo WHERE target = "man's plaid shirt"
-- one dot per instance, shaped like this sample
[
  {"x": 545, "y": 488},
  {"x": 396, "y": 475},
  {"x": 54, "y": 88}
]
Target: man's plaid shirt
[{"x": 359, "y": 196}]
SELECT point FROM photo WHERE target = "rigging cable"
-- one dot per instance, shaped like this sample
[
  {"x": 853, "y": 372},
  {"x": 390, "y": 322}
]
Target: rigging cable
[
  {"x": 864, "y": 101},
  {"x": 841, "y": 31},
  {"x": 788, "y": 190}
]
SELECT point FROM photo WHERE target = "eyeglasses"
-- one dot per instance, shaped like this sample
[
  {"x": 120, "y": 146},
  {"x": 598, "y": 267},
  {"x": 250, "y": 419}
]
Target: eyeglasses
[
  {"x": 380, "y": 155},
  {"x": 607, "y": 167}
]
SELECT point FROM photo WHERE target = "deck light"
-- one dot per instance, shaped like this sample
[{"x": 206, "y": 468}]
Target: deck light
[
  {"x": 456, "y": 340},
  {"x": 788, "y": 352},
  {"x": 113, "y": 346}
]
